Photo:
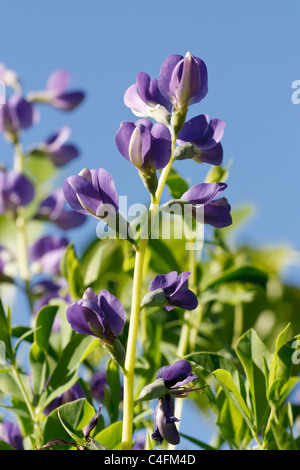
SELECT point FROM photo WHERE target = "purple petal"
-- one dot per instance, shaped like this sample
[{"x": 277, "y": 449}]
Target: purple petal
[
  {"x": 85, "y": 193},
  {"x": 186, "y": 300},
  {"x": 162, "y": 281},
  {"x": 181, "y": 283},
  {"x": 24, "y": 111},
  {"x": 202, "y": 84},
  {"x": 157, "y": 96},
  {"x": 107, "y": 188},
  {"x": 217, "y": 213},
  {"x": 192, "y": 129},
  {"x": 86, "y": 318},
  {"x": 58, "y": 81},
  {"x": 177, "y": 372},
  {"x": 165, "y": 427},
  {"x": 203, "y": 193},
  {"x": 20, "y": 187},
  {"x": 123, "y": 137},
  {"x": 63, "y": 155},
  {"x": 69, "y": 219},
  {"x": 113, "y": 310},
  {"x": 213, "y": 156},
  {"x": 56, "y": 140},
  {"x": 165, "y": 76},
  {"x": 160, "y": 146},
  {"x": 133, "y": 100},
  {"x": 68, "y": 101},
  {"x": 45, "y": 245}
]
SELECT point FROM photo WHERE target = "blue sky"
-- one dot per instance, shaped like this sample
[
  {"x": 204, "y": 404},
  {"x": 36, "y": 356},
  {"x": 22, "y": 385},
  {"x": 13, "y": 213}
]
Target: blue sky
[{"x": 251, "y": 49}]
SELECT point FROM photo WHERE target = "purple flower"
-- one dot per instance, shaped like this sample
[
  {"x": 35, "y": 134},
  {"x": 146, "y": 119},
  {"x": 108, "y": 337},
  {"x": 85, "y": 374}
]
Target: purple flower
[
  {"x": 175, "y": 290},
  {"x": 15, "y": 190},
  {"x": 56, "y": 93},
  {"x": 147, "y": 147},
  {"x": 56, "y": 149},
  {"x": 48, "y": 290},
  {"x": 175, "y": 377},
  {"x": 97, "y": 386},
  {"x": 216, "y": 211},
  {"x": 183, "y": 80},
  {"x": 74, "y": 393},
  {"x": 145, "y": 99},
  {"x": 16, "y": 115},
  {"x": 53, "y": 209},
  {"x": 47, "y": 252},
  {"x": 10, "y": 433},
  {"x": 89, "y": 190},
  {"x": 205, "y": 136},
  {"x": 140, "y": 441},
  {"x": 102, "y": 316}
]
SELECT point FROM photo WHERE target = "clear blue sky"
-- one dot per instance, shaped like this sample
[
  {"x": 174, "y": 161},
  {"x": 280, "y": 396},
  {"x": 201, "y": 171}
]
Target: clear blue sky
[{"x": 251, "y": 49}]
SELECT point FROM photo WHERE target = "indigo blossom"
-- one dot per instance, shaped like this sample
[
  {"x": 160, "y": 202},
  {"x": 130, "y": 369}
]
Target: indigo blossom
[
  {"x": 15, "y": 190},
  {"x": 216, "y": 211},
  {"x": 16, "y": 115},
  {"x": 183, "y": 80},
  {"x": 145, "y": 99},
  {"x": 145, "y": 145},
  {"x": 10, "y": 433},
  {"x": 172, "y": 291},
  {"x": 204, "y": 136},
  {"x": 56, "y": 149},
  {"x": 175, "y": 377},
  {"x": 53, "y": 209},
  {"x": 74, "y": 393},
  {"x": 47, "y": 253},
  {"x": 102, "y": 315},
  {"x": 88, "y": 191},
  {"x": 56, "y": 93},
  {"x": 47, "y": 290}
]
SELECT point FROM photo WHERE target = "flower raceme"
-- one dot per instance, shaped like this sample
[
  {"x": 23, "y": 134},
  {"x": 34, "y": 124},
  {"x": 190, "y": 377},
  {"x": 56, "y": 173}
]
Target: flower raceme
[{"x": 172, "y": 291}]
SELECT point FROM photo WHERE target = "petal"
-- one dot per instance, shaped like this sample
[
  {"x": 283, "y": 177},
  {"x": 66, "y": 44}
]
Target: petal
[
  {"x": 217, "y": 213},
  {"x": 18, "y": 183},
  {"x": 213, "y": 156},
  {"x": 70, "y": 219},
  {"x": 77, "y": 320},
  {"x": 58, "y": 81},
  {"x": 63, "y": 155},
  {"x": 68, "y": 101},
  {"x": 56, "y": 140},
  {"x": 162, "y": 281},
  {"x": 157, "y": 96},
  {"x": 114, "y": 311},
  {"x": 177, "y": 372},
  {"x": 203, "y": 193},
  {"x": 160, "y": 146},
  {"x": 186, "y": 300},
  {"x": 182, "y": 282},
  {"x": 123, "y": 137},
  {"x": 190, "y": 378},
  {"x": 133, "y": 100},
  {"x": 24, "y": 111},
  {"x": 143, "y": 85},
  {"x": 192, "y": 129},
  {"x": 165, "y": 76},
  {"x": 202, "y": 86},
  {"x": 86, "y": 194},
  {"x": 71, "y": 197},
  {"x": 166, "y": 423},
  {"x": 107, "y": 188}
]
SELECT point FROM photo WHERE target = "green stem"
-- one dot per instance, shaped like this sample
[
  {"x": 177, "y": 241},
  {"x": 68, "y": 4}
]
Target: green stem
[{"x": 135, "y": 312}]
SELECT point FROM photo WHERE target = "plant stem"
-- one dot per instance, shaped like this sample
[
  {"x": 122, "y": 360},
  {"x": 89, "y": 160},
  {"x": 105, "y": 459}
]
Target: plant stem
[
  {"x": 135, "y": 312},
  {"x": 21, "y": 230}
]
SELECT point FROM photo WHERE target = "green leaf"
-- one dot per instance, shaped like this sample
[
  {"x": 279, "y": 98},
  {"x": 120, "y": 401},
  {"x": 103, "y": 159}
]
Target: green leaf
[
  {"x": 39, "y": 368},
  {"x": 197, "y": 442},
  {"x": 212, "y": 361},
  {"x": 251, "y": 352},
  {"x": 44, "y": 322},
  {"x": 231, "y": 423},
  {"x": 242, "y": 274},
  {"x": 225, "y": 380},
  {"x": 111, "y": 437},
  {"x": 68, "y": 421},
  {"x": 65, "y": 373},
  {"x": 5, "y": 446},
  {"x": 71, "y": 269},
  {"x": 5, "y": 331},
  {"x": 114, "y": 384},
  {"x": 176, "y": 184}
]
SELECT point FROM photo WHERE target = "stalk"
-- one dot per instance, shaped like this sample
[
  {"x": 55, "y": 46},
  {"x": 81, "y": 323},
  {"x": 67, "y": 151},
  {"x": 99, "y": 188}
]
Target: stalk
[{"x": 135, "y": 312}]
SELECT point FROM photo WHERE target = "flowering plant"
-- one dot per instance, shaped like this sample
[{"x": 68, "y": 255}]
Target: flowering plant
[{"x": 142, "y": 318}]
